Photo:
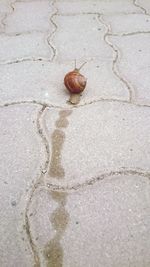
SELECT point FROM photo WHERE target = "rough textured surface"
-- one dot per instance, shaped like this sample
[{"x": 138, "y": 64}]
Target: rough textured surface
[
  {"x": 145, "y": 4},
  {"x": 75, "y": 180},
  {"x": 43, "y": 81},
  {"x": 26, "y": 46},
  {"x": 79, "y": 48},
  {"x": 21, "y": 160},
  {"x": 134, "y": 64},
  {"x": 122, "y": 24},
  {"x": 104, "y": 6},
  {"x": 111, "y": 140},
  {"x": 108, "y": 219},
  {"x": 27, "y": 14}
]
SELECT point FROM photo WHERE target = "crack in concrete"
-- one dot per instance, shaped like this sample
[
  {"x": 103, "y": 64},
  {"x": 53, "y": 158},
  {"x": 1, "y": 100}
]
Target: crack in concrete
[
  {"x": 2, "y": 22},
  {"x": 92, "y": 181},
  {"x": 8, "y": 14},
  {"x": 43, "y": 137},
  {"x": 31, "y": 1},
  {"x": 21, "y": 103},
  {"x": 13, "y": 34},
  {"x": 50, "y": 187},
  {"x": 48, "y": 105},
  {"x": 35, "y": 186},
  {"x": 128, "y": 33},
  {"x": 53, "y": 32},
  {"x": 76, "y": 14},
  {"x": 142, "y": 8},
  {"x": 95, "y": 13},
  {"x": 114, "y": 63},
  {"x": 100, "y": 100},
  {"x": 33, "y": 102},
  {"x": 20, "y": 60}
]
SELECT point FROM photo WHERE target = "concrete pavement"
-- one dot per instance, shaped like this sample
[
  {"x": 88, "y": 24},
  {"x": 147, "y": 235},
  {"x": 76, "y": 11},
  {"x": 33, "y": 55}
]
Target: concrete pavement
[{"x": 75, "y": 188}]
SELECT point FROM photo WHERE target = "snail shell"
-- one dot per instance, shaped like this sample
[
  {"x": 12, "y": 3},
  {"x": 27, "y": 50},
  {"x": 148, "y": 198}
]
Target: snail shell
[{"x": 75, "y": 82}]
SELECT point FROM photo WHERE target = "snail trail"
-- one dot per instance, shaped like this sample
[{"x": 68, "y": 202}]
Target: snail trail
[
  {"x": 56, "y": 170},
  {"x": 53, "y": 251},
  {"x": 59, "y": 219},
  {"x": 58, "y": 137}
]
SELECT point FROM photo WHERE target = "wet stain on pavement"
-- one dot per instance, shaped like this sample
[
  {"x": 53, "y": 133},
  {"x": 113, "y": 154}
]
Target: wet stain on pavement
[
  {"x": 53, "y": 251},
  {"x": 59, "y": 219},
  {"x": 54, "y": 254},
  {"x": 56, "y": 170},
  {"x": 62, "y": 122}
]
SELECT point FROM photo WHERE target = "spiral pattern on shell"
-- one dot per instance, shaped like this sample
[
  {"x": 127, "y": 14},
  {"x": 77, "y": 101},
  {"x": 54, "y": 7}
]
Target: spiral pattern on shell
[{"x": 75, "y": 82}]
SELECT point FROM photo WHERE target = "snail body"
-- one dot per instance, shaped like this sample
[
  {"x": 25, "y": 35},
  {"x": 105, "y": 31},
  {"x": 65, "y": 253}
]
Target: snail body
[{"x": 75, "y": 82}]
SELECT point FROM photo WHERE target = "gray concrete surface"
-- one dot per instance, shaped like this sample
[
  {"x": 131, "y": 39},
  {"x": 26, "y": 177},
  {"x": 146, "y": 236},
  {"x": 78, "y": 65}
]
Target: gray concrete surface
[{"x": 75, "y": 180}]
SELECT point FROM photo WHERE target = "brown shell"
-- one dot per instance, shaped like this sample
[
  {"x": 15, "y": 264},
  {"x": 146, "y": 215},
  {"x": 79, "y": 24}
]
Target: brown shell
[{"x": 75, "y": 82}]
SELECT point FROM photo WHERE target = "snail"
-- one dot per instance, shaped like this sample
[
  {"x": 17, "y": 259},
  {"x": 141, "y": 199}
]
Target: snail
[{"x": 75, "y": 82}]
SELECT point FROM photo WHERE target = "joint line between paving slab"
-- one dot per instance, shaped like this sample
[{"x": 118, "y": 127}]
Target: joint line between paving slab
[
  {"x": 127, "y": 172},
  {"x": 35, "y": 186},
  {"x": 49, "y": 38},
  {"x": 11, "y": 5},
  {"x": 14, "y": 34},
  {"x": 115, "y": 60},
  {"x": 128, "y": 33},
  {"x": 94, "y": 13},
  {"x": 53, "y": 106},
  {"x": 141, "y": 7},
  {"x": 20, "y": 60}
]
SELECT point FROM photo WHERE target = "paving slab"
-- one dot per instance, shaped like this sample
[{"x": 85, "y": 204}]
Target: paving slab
[
  {"x": 39, "y": 81},
  {"x": 80, "y": 46},
  {"x": 144, "y": 4},
  {"x": 26, "y": 13},
  {"x": 128, "y": 24},
  {"x": 5, "y": 9},
  {"x": 103, "y": 225},
  {"x": 21, "y": 159},
  {"x": 2, "y": 15},
  {"x": 44, "y": 82},
  {"x": 5, "y": 6},
  {"x": 75, "y": 180},
  {"x": 98, "y": 138},
  {"x": 134, "y": 63},
  {"x": 24, "y": 46},
  {"x": 104, "y": 6}
]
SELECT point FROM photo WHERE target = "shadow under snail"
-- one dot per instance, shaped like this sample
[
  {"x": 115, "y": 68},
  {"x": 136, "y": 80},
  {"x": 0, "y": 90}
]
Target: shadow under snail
[{"x": 75, "y": 82}]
